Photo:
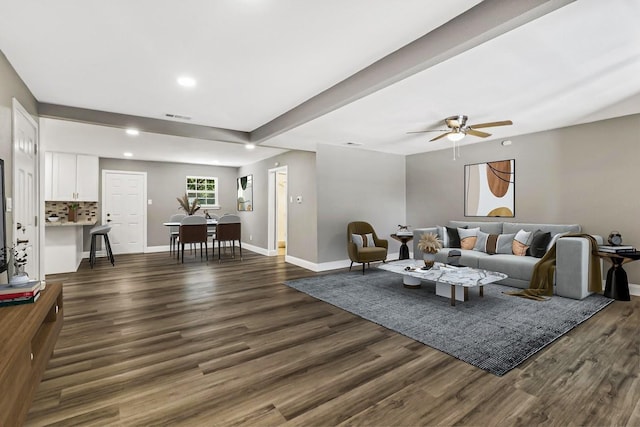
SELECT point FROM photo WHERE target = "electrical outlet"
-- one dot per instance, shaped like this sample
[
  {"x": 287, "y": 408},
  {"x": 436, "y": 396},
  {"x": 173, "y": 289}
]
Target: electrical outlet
[{"x": 250, "y": 236}]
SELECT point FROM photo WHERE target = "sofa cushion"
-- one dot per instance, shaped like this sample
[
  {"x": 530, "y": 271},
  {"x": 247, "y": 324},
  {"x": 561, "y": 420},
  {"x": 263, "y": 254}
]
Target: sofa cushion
[
  {"x": 468, "y": 237},
  {"x": 516, "y": 267},
  {"x": 514, "y": 227},
  {"x": 486, "y": 227},
  {"x": 468, "y": 258}
]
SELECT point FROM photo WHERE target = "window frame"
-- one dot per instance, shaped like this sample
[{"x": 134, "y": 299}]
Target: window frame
[{"x": 203, "y": 192}]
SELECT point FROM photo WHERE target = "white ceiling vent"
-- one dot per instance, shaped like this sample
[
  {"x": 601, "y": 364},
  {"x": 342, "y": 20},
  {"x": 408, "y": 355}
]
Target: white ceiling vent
[{"x": 177, "y": 116}]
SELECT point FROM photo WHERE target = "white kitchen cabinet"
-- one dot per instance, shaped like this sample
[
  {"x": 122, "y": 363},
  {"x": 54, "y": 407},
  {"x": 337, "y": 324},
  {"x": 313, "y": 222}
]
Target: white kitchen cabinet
[{"x": 73, "y": 177}]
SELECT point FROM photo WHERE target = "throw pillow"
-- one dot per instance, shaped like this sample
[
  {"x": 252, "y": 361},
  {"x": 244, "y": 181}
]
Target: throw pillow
[
  {"x": 539, "y": 242},
  {"x": 498, "y": 243},
  {"x": 521, "y": 243},
  {"x": 363, "y": 240},
  {"x": 454, "y": 237},
  {"x": 468, "y": 237},
  {"x": 443, "y": 235},
  {"x": 481, "y": 241}
]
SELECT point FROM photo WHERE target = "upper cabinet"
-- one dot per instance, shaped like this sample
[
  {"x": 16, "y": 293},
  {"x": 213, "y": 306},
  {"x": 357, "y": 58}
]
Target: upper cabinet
[{"x": 71, "y": 177}]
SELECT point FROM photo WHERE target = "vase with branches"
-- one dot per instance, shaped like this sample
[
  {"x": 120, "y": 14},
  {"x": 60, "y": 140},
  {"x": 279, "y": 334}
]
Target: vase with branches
[
  {"x": 189, "y": 207},
  {"x": 429, "y": 244}
]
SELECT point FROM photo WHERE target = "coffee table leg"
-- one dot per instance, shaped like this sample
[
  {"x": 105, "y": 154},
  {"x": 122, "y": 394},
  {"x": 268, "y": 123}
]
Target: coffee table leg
[
  {"x": 481, "y": 291},
  {"x": 453, "y": 295}
]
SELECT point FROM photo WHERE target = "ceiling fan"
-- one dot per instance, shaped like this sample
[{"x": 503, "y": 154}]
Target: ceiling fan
[{"x": 458, "y": 128}]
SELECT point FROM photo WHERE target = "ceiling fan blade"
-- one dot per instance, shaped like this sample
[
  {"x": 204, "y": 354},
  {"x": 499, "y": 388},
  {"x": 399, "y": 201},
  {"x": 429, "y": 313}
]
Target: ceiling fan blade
[
  {"x": 477, "y": 133},
  {"x": 432, "y": 130},
  {"x": 492, "y": 124},
  {"x": 440, "y": 136}
]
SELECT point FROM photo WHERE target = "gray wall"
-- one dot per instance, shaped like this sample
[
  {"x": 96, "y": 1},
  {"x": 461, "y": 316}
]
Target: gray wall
[
  {"x": 11, "y": 86},
  {"x": 301, "y": 217},
  {"x": 357, "y": 185},
  {"x": 583, "y": 174},
  {"x": 165, "y": 182}
]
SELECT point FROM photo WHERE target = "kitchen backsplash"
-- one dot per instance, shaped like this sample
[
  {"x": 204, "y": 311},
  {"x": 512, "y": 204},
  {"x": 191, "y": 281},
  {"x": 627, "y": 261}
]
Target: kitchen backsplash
[{"x": 87, "y": 211}]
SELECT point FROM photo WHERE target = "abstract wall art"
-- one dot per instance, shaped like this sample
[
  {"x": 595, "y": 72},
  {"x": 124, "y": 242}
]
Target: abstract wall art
[{"x": 489, "y": 189}]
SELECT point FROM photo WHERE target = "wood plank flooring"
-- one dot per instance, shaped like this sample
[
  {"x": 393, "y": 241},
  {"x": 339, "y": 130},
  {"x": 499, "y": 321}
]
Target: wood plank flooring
[{"x": 153, "y": 342}]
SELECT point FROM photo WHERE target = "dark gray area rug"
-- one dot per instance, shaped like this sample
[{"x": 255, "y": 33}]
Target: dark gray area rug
[{"x": 495, "y": 333}]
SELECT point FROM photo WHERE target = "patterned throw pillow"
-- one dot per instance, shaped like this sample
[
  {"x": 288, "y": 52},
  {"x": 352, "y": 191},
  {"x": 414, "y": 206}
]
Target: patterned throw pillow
[
  {"x": 468, "y": 237},
  {"x": 494, "y": 243},
  {"x": 521, "y": 243},
  {"x": 363, "y": 240}
]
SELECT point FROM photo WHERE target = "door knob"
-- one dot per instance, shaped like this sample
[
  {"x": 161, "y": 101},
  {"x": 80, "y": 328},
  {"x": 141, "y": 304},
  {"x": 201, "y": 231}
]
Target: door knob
[
  {"x": 19, "y": 241},
  {"x": 18, "y": 226}
]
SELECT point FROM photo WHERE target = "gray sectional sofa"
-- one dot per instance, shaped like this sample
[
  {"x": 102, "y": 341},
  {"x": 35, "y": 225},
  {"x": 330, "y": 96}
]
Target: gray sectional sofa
[{"x": 572, "y": 255}]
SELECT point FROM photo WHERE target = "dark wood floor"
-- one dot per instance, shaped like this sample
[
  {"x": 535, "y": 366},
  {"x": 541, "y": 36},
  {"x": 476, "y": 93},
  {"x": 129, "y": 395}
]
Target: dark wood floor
[{"x": 152, "y": 342}]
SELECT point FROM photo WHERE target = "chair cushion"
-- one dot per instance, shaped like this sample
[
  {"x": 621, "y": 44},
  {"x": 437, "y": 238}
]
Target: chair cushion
[{"x": 371, "y": 253}]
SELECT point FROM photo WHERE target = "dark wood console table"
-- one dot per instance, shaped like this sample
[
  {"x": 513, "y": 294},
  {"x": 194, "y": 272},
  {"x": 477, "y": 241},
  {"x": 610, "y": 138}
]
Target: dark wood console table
[
  {"x": 27, "y": 337},
  {"x": 617, "y": 283}
]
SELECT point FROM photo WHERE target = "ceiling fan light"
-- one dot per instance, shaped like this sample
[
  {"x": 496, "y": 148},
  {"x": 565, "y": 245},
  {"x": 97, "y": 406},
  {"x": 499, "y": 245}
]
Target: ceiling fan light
[{"x": 455, "y": 136}]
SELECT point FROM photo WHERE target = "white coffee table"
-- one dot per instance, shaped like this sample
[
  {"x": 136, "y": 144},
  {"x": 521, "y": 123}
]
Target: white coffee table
[{"x": 451, "y": 282}]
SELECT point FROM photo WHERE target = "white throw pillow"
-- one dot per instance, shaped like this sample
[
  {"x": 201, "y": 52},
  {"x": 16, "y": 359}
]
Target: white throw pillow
[{"x": 363, "y": 240}]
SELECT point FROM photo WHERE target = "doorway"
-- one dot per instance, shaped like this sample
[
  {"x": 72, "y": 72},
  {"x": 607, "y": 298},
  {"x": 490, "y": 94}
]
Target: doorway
[
  {"x": 124, "y": 208},
  {"x": 277, "y": 212},
  {"x": 26, "y": 197}
]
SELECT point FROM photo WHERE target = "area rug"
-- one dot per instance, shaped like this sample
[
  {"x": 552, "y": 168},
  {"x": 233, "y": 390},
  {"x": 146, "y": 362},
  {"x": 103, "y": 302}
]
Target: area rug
[{"x": 495, "y": 333}]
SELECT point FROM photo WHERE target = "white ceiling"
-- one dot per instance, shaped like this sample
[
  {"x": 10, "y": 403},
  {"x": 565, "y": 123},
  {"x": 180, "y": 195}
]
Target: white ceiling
[{"x": 257, "y": 59}]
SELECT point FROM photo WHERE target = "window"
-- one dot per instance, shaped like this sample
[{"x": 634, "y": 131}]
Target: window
[{"x": 203, "y": 188}]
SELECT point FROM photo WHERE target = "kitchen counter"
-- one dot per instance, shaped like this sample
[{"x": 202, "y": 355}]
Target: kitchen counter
[{"x": 65, "y": 223}]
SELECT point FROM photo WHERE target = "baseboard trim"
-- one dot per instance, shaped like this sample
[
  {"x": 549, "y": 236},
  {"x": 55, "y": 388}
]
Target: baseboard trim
[
  {"x": 256, "y": 249},
  {"x": 327, "y": 266},
  {"x": 634, "y": 289}
]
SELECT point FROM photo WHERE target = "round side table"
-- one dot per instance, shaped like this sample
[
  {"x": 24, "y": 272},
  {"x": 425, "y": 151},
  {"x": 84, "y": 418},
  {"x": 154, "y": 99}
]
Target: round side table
[
  {"x": 617, "y": 286},
  {"x": 404, "y": 249}
]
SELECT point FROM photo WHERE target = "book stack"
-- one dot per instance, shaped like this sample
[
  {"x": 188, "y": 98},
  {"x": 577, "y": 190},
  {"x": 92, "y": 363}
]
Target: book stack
[
  {"x": 26, "y": 293},
  {"x": 616, "y": 249}
]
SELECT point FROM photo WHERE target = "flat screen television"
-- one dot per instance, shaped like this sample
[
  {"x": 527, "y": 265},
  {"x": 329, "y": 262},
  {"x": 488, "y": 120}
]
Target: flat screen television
[{"x": 3, "y": 228}]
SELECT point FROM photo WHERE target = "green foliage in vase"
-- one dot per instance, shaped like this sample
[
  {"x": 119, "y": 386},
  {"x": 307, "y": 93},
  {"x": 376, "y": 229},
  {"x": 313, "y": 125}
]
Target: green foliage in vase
[{"x": 189, "y": 208}]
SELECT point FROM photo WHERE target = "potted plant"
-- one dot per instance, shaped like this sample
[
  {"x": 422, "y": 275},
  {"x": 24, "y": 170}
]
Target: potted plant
[
  {"x": 189, "y": 208},
  {"x": 72, "y": 211},
  {"x": 429, "y": 245},
  {"x": 18, "y": 254}
]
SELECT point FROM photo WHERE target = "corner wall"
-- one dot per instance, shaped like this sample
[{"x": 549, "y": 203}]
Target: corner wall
[
  {"x": 583, "y": 174},
  {"x": 357, "y": 185}
]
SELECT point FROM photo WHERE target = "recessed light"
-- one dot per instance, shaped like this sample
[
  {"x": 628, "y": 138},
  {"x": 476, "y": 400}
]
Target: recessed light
[
  {"x": 250, "y": 146},
  {"x": 506, "y": 142},
  {"x": 127, "y": 154},
  {"x": 133, "y": 132},
  {"x": 186, "y": 81}
]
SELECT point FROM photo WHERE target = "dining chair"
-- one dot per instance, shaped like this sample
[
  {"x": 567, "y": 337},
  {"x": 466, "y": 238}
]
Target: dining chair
[
  {"x": 173, "y": 232},
  {"x": 193, "y": 229},
  {"x": 228, "y": 229}
]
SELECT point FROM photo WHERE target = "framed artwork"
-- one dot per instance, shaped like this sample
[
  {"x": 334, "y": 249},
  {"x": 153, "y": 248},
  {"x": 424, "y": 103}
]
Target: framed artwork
[
  {"x": 245, "y": 193},
  {"x": 489, "y": 189}
]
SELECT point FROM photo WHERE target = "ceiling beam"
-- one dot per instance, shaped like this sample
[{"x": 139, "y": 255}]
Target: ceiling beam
[
  {"x": 481, "y": 23},
  {"x": 143, "y": 124}
]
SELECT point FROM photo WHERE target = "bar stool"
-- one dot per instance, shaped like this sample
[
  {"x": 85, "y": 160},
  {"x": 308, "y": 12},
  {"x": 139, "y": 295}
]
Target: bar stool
[{"x": 100, "y": 230}]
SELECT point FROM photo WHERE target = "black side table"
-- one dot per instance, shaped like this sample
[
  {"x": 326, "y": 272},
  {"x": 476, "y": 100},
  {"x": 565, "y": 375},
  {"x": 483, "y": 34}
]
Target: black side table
[
  {"x": 617, "y": 283},
  {"x": 404, "y": 249}
]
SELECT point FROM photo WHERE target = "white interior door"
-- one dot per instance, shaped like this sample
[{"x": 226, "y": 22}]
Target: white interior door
[
  {"x": 272, "y": 208},
  {"x": 26, "y": 198},
  {"x": 124, "y": 208}
]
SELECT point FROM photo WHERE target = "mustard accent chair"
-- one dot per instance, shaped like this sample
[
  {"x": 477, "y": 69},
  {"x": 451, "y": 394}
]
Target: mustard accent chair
[{"x": 365, "y": 255}]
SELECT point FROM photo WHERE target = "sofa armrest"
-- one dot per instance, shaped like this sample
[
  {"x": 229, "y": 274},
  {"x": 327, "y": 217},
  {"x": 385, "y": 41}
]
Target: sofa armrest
[
  {"x": 417, "y": 234},
  {"x": 573, "y": 255}
]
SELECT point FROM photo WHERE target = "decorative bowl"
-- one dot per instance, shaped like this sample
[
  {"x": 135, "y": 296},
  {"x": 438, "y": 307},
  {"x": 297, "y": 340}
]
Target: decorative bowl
[{"x": 53, "y": 218}]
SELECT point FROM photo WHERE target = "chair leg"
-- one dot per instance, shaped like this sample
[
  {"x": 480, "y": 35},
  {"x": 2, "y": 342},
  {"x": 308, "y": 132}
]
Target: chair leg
[
  {"x": 240, "y": 246},
  {"x": 363, "y": 264},
  {"x": 92, "y": 251},
  {"x": 107, "y": 245},
  {"x": 182, "y": 253},
  {"x": 351, "y": 266},
  {"x": 206, "y": 251}
]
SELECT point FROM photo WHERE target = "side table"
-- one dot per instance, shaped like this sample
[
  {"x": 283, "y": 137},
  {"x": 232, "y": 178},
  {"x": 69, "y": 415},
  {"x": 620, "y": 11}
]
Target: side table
[
  {"x": 404, "y": 249},
  {"x": 617, "y": 286}
]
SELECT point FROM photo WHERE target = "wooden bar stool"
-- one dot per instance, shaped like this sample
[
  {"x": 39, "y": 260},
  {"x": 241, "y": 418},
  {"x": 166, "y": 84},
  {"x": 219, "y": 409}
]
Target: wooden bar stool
[{"x": 97, "y": 231}]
